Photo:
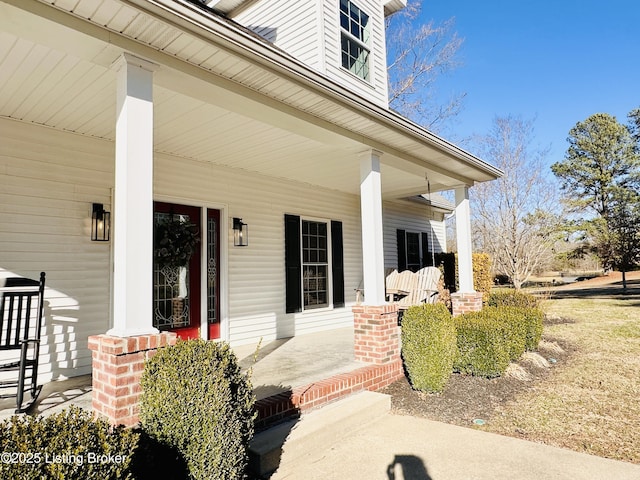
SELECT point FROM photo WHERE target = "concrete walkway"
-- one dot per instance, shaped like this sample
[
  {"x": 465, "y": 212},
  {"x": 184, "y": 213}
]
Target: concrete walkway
[{"x": 395, "y": 447}]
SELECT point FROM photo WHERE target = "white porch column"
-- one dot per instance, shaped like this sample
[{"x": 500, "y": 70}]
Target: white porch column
[
  {"x": 372, "y": 243},
  {"x": 463, "y": 239},
  {"x": 133, "y": 206}
]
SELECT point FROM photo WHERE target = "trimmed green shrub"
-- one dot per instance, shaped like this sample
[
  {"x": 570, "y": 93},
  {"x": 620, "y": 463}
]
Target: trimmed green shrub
[
  {"x": 196, "y": 401},
  {"x": 529, "y": 309},
  {"x": 534, "y": 321},
  {"x": 482, "y": 280},
  {"x": 68, "y": 445},
  {"x": 482, "y": 344},
  {"x": 428, "y": 346},
  {"x": 512, "y": 298},
  {"x": 512, "y": 326}
]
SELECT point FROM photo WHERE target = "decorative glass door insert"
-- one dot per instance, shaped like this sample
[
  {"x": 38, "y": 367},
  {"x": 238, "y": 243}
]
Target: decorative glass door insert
[
  {"x": 213, "y": 273},
  {"x": 176, "y": 282}
]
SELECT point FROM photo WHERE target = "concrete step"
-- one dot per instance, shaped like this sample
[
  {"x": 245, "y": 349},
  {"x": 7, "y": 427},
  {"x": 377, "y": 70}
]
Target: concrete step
[{"x": 318, "y": 430}]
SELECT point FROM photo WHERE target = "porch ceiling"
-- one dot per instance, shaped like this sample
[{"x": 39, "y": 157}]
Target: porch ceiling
[{"x": 60, "y": 76}]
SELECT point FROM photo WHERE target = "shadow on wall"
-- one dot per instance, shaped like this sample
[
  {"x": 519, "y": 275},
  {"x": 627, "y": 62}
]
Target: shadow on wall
[
  {"x": 61, "y": 343},
  {"x": 407, "y": 467},
  {"x": 268, "y": 33}
]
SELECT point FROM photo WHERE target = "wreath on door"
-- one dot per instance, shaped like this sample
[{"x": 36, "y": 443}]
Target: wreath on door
[{"x": 175, "y": 242}]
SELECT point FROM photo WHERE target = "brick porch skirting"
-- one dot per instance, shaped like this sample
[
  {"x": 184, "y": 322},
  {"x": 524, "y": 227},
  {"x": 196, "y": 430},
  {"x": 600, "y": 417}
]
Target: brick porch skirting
[
  {"x": 117, "y": 368},
  {"x": 464, "y": 302},
  {"x": 299, "y": 400},
  {"x": 376, "y": 342}
]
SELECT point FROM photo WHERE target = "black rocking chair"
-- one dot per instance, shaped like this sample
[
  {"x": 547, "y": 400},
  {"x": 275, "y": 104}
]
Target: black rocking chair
[{"x": 21, "y": 310}]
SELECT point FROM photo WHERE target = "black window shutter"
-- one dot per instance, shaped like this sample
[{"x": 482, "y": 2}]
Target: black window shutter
[
  {"x": 292, "y": 262},
  {"x": 426, "y": 256},
  {"x": 337, "y": 263},
  {"x": 402, "y": 250}
]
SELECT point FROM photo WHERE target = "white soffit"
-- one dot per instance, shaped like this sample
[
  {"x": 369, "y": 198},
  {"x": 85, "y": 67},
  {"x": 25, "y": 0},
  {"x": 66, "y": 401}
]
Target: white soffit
[{"x": 281, "y": 98}]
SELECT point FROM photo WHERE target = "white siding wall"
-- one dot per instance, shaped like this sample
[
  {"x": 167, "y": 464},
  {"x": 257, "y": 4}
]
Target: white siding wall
[
  {"x": 413, "y": 218},
  {"x": 256, "y": 273},
  {"x": 310, "y": 31},
  {"x": 48, "y": 182},
  {"x": 293, "y": 26}
]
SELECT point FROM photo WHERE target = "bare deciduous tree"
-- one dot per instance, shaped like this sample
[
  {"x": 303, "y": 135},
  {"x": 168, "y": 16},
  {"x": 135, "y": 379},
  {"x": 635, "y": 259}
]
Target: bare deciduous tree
[
  {"x": 514, "y": 218},
  {"x": 417, "y": 54}
]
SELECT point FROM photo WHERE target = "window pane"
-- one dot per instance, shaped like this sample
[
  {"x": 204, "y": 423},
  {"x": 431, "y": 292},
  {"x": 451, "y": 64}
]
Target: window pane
[
  {"x": 212, "y": 270},
  {"x": 315, "y": 267},
  {"x": 355, "y": 58},
  {"x": 344, "y": 21},
  {"x": 413, "y": 251},
  {"x": 315, "y": 286},
  {"x": 355, "y": 30}
]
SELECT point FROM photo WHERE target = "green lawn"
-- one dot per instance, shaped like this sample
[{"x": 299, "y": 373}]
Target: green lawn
[{"x": 591, "y": 402}]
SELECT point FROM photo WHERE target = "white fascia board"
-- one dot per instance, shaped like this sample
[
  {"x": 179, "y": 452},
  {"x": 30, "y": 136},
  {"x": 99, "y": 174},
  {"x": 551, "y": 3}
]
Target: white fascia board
[{"x": 210, "y": 26}]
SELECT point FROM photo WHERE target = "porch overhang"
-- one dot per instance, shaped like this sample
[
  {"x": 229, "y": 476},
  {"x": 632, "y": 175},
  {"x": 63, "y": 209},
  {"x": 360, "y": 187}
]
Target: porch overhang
[{"x": 217, "y": 90}]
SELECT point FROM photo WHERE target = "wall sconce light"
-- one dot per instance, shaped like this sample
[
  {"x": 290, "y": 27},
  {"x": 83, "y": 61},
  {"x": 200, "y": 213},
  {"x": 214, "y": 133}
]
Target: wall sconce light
[
  {"x": 100, "y": 223},
  {"x": 240, "y": 233}
]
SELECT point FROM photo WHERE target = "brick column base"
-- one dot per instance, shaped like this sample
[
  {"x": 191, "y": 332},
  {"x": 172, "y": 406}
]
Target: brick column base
[
  {"x": 376, "y": 333},
  {"x": 117, "y": 367},
  {"x": 463, "y": 302}
]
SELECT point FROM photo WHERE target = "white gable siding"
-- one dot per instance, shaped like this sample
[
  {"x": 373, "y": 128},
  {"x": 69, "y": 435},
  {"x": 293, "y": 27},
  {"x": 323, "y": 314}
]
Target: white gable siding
[
  {"x": 412, "y": 218},
  {"x": 295, "y": 27},
  {"x": 48, "y": 182},
  {"x": 310, "y": 31}
]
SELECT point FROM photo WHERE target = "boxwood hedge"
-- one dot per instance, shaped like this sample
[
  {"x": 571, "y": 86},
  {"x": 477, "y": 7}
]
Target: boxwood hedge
[
  {"x": 68, "y": 445},
  {"x": 196, "y": 401},
  {"x": 428, "y": 346}
]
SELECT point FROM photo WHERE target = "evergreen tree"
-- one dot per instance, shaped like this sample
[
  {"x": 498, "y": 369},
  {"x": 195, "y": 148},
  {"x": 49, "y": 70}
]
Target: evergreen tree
[{"x": 600, "y": 178}]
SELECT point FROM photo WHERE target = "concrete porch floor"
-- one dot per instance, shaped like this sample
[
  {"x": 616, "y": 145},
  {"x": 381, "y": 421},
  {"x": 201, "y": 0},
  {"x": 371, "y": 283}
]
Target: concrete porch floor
[
  {"x": 281, "y": 365},
  {"x": 277, "y": 366}
]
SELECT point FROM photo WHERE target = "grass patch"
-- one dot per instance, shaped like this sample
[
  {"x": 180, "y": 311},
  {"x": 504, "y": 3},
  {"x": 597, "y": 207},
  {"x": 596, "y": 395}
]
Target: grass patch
[
  {"x": 590, "y": 404},
  {"x": 628, "y": 330}
]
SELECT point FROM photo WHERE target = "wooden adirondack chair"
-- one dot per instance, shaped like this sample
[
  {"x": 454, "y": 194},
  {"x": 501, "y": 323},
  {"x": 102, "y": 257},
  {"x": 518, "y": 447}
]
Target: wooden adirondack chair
[
  {"x": 407, "y": 288},
  {"x": 21, "y": 311},
  {"x": 427, "y": 285}
]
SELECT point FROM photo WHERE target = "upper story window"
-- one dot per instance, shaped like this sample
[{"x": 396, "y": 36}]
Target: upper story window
[{"x": 354, "y": 37}]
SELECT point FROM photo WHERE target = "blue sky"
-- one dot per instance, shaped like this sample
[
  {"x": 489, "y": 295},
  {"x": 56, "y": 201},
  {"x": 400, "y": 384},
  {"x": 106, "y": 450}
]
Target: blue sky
[{"x": 557, "y": 60}]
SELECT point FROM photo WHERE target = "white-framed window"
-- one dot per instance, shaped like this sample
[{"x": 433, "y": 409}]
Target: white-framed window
[
  {"x": 413, "y": 250},
  {"x": 315, "y": 264},
  {"x": 354, "y": 39}
]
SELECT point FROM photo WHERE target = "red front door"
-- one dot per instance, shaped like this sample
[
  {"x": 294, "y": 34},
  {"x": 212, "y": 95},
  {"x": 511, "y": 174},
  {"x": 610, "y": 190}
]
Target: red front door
[{"x": 176, "y": 288}]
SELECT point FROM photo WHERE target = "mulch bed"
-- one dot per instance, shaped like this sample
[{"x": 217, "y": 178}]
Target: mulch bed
[{"x": 467, "y": 399}]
